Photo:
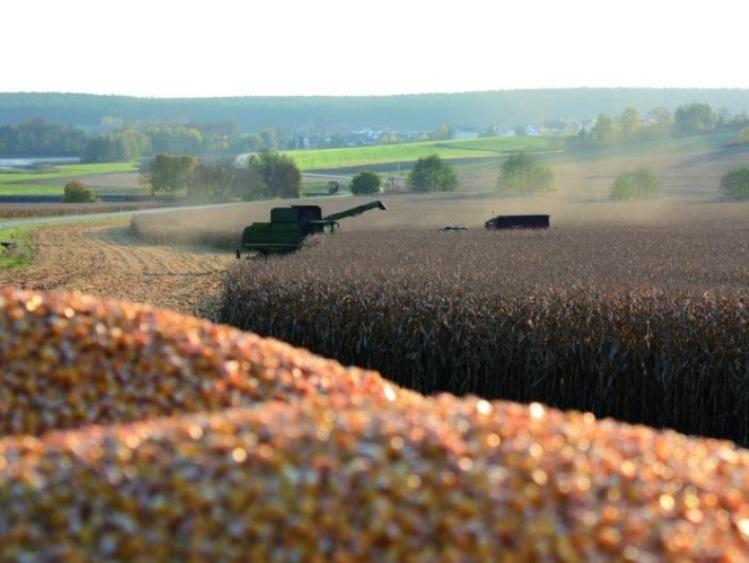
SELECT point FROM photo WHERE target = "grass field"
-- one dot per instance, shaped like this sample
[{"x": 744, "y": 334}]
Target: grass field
[
  {"x": 53, "y": 180},
  {"x": 490, "y": 148},
  {"x": 16, "y": 248}
]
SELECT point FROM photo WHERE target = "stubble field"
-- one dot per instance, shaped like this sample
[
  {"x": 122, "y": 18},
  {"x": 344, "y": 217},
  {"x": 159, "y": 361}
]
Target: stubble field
[{"x": 106, "y": 260}]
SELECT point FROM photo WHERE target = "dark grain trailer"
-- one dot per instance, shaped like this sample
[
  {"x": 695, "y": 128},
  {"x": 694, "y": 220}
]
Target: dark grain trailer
[{"x": 518, "y": 222}]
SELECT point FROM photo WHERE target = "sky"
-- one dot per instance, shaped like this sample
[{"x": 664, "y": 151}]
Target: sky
[{"x": 224, "y": 48}]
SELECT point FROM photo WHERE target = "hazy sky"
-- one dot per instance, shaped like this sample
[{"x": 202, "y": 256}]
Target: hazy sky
[{"x": 348, "y": 47}]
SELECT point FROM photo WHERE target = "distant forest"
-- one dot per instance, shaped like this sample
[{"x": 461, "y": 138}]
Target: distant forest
[
  {"x": 477, "y": 111},
  {"x": 119, "y": 129}
]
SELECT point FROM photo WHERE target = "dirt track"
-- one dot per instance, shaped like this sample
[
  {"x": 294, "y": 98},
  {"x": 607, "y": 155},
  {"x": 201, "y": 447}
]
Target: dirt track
[{"x": 104, "y": 259}]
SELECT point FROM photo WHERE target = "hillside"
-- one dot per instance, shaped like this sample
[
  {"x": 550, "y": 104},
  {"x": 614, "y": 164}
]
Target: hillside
[{"x": 469, "y": 110}]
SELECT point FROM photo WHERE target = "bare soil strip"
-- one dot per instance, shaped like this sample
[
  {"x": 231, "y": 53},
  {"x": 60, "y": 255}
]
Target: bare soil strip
[{"x": 106, "y": 260}]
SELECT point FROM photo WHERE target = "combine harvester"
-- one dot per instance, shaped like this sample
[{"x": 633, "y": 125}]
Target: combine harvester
[{"x": 289, "y": 226}]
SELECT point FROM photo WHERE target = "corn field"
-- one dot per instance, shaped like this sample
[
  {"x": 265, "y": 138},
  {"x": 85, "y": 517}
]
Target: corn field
[{"x": 643, "y": 324}]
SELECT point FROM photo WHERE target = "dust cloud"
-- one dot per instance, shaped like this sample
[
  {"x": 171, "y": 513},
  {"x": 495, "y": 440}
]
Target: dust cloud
[{"x": 689, "y": 193}]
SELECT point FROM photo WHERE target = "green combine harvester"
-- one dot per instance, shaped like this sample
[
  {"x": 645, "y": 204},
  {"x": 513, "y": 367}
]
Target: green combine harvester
[{"x": 289, "y": 226}]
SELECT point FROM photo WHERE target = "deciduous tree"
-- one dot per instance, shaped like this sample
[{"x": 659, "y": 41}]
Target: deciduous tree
[
  {"x": 735, "y": 184},
  {"x": 77, "y": 192},
  {"x": 629, "y": 124},
  {"x": 279, "y": 173},
  {"x": 695, "y": 118},
  {"x": 603, "y": 131},
  {"x": 168, "y": 173},
  {"x": 743, "y": 135},
  {"x": 248, "y": 184},
  {"x": 431, "y": 174},
  {"x": 660, "y": 123},
  {"x": 214, "y": 180},
  {"x": 365, "y": 183}
]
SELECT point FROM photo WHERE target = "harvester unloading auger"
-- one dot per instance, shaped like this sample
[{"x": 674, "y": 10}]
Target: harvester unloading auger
[{"x": 289, "y": 226}]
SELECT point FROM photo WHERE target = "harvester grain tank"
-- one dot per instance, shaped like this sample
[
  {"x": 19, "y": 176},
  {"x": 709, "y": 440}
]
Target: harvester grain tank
[
  {"x": 518, "y": 222},
  {"x": 289, "y": 226}
]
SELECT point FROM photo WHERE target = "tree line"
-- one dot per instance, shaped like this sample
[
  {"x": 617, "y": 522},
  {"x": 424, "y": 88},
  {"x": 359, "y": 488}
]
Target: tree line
[
  {"x": 263, "y": 175},
  {"x": 314, "y": 115},
  {"x": 267, "y": 175},
  {"x": 124, "y": 143},
  {"x": 657, "y": 124},
  {"x": 120, "y": 141}
]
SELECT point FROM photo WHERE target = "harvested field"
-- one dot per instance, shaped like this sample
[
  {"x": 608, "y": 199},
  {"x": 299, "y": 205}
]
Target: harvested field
[{"x": 107, "y": 260}]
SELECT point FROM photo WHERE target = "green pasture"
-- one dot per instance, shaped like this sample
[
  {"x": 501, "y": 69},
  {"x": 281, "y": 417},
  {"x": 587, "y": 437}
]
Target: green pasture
[
  {"x": 329, "y": 159},
  {"x": 11, "y": 188},
  {"x": 37, "y": 182},
  {"x": 16, "y": 248}
]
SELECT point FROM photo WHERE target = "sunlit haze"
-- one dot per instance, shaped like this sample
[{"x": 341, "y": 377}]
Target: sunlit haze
[{"x": 339, "y": 47}]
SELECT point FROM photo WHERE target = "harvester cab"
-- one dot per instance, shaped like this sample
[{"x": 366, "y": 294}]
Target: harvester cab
[{"x": 289, "y": 226}]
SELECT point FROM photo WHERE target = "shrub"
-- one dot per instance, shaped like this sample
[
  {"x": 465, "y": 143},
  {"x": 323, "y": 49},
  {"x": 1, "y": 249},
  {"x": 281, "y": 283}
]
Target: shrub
[
  {"x": 735, "y": 184},
  {"x": 366, "y": 183},
  {"x": 640, "y": 184},
  {"x": 743, "y": 135},
  {"x": 77, "y": 192},
  {"x": 521, "y": 174}
]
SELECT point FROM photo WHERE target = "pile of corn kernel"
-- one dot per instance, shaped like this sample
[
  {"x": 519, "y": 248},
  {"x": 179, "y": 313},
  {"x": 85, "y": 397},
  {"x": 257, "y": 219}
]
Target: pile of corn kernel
[{"x": 128, "y": 433}]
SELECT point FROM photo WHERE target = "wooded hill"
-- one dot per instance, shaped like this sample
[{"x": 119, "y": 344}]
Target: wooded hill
[{"x": 471, "y": 110}]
